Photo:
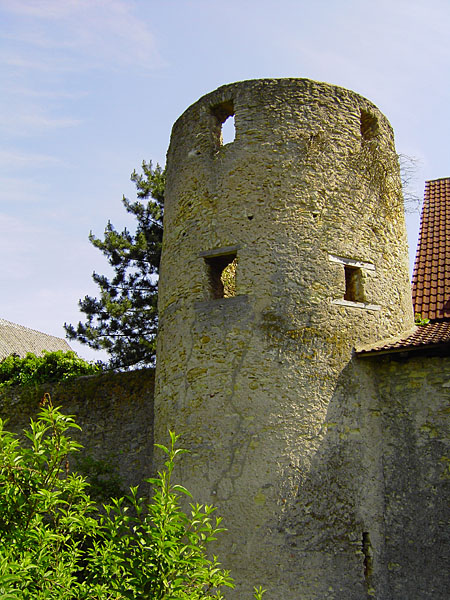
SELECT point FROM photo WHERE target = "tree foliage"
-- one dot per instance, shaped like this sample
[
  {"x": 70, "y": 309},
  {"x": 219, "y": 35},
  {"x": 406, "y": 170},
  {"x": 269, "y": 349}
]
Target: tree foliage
[
  {"x": 123, "y": 320},
  {"x": 47, "y": 368},
  {"x": 56, "y": 544}
]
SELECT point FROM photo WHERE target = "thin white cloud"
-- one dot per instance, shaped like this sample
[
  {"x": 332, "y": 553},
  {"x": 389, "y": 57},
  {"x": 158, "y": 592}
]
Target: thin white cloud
[
  {"x": 28, "y": 60},
  {"x": 50, "y": 43},
  {"x": 46, "y": 93},
  {"x": 13, "y": 226},
  {"x": 11, "y": 159},
  {"x": 16, "y": 243},
  {"x": 22, "y": 190},
  {"x": 39, "y": 8},
  {"x": 29, "y": 120},
  {"x": 100, "y": 33}
]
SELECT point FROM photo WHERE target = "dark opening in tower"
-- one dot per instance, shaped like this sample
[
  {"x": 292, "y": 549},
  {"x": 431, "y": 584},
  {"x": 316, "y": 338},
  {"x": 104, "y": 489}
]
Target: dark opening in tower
[
  {"x": 225, "y": 129},
  {"x": 367, "y": 551},
  {"x": 369, "y": 125},
  {"x": 354, "y": 289},
  {"x": 222, "y": 275}
]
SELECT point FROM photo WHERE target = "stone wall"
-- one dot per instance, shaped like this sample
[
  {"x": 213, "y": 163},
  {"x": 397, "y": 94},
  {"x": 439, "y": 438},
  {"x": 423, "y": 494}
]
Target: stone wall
[
  {"x": 115, "y": 412},
  {"x": 306, "y": 203},
  {"x": 414, "y": 409},
  {"x": 376, "y": 494},
  {"x": 372, "y": 506}
]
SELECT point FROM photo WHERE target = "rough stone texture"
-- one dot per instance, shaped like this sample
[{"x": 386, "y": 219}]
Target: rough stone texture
[
  {"x": 414, "y": 408},
  {"x": 262, "y": 385},
  {"x": 115, "y": 412},
  {"x": 380, "y": 481}
]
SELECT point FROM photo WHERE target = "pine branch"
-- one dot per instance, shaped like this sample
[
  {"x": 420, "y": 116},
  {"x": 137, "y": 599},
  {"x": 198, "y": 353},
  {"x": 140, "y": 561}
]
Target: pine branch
[{"x": 124, "y": 319}]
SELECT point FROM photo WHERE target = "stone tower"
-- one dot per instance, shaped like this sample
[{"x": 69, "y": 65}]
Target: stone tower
[{"x": 283, "y": 250}]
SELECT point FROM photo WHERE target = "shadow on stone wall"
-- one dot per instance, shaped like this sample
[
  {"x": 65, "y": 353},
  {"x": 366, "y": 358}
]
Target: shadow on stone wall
[{"x": 373, "y": 503}]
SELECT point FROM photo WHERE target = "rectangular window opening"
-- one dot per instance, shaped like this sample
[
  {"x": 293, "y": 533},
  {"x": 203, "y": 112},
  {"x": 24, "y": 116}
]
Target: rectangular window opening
[
  {"x": 369, "y": 126},
  {"x": 354, "y": 289},
  {"x": 225, "y": 127},
  {"x": 228, "y": 131},
  {"x": 222, "y": 275}
]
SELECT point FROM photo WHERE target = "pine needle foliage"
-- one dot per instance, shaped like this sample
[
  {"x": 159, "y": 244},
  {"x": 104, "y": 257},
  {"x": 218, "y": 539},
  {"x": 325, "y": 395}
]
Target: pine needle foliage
[{"x": 123, "y": 319}]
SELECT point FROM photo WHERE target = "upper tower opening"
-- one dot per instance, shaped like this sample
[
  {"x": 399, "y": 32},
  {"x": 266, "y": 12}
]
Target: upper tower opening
[
  {"x": 369, "y": 125},
  {"x": 225, "y": 131}
]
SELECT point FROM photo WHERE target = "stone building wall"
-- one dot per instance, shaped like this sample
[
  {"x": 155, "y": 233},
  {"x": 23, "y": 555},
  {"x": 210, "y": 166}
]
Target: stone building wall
[
  {"x": 414, "y": 409},
  {"x": 375, "y": 496},
  {"x": 379, "y": 484},
  {"x": 306, "y": 205},
  {"x": 115, "y": 412}
]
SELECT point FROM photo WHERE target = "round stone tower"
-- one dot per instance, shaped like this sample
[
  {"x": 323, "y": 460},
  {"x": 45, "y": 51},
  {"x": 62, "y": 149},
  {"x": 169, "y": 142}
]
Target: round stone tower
[{"x": 283, "y": 250}]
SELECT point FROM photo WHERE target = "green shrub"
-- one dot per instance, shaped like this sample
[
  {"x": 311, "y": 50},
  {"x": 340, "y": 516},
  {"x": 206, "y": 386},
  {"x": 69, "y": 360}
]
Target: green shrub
[
  {"x": 102, "y": 475},
  {"x": 48, "y": 368},
  {"x": 418, "y": 320},
  {"x": 55, "y": 544}
]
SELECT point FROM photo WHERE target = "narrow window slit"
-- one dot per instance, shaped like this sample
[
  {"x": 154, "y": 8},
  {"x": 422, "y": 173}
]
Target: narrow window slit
[
  {"x": 228, "y": 131},
  {"x": 354, "y": 290},
  {"x": 367, "y": 551}
]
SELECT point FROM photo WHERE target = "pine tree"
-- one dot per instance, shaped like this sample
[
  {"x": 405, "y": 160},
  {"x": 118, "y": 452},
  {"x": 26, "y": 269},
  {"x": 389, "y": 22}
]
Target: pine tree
[{"x": 124, "y": 319}]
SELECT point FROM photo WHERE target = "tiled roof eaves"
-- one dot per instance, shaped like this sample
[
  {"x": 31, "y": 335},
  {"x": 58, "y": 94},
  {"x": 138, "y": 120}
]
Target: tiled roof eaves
[
  {"x": 434, "y": 336},
  {"x": 440, "y": 346}
]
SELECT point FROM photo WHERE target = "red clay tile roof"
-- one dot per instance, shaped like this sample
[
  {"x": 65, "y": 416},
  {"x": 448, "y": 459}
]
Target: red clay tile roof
[
  {"x": 424, "y": 336},
  {"x": 431, "y": 277}
]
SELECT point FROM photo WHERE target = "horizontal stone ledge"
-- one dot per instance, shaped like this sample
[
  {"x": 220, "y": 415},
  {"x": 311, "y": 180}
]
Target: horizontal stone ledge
[
  {"x": 225, "y": 251},
  {"x": 351, "y": 304}
]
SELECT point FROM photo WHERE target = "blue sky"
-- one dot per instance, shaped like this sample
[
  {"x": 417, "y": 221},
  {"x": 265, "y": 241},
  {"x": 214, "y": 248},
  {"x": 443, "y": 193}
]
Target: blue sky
[{"x": 90, "y": 88}]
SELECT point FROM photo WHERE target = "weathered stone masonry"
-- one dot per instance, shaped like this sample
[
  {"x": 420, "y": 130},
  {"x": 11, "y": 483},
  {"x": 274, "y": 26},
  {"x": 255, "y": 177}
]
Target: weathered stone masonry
[
  {"x": 114, "y": 410},
  {"x": 306, "y": 203}
]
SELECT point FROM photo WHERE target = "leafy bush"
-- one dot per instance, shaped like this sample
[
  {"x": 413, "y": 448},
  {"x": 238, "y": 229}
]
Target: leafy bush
[
  {"x": 48, "y": 368},
  {"x": 55, "y": 544},
  {"x": 102, "y": 475}
]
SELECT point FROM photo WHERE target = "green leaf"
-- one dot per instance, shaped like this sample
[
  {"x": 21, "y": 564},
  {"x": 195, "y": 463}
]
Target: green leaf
[{"x": 181, "y": 489}]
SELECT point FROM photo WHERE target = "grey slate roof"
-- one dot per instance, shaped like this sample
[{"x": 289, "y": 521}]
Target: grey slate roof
[{"x": 17, "y": 339}]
